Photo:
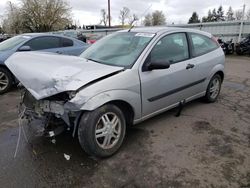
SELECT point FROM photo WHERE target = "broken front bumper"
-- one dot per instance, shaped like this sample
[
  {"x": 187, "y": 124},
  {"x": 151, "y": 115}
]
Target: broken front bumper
[
  {"x": 40, "y": 107},
  {"x": 47, "y": 110}
]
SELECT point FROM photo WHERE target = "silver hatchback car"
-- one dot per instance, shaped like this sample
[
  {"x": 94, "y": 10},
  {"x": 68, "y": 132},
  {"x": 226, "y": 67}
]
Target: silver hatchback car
[{"x": 123, "y": 79}]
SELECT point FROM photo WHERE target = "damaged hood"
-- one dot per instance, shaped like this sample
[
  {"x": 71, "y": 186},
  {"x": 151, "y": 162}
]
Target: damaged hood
[{"x": 45, "y": 75}]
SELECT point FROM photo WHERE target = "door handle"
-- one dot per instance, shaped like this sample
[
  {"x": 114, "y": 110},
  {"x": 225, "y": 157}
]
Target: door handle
[
  {"x": 190, "y": 66},
  {"x": 59, "y": 52}
]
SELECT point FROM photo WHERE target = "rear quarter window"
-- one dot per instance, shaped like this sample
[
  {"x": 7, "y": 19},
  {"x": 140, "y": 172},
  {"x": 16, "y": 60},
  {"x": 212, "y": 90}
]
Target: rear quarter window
[{"x": 201, "y": 44}]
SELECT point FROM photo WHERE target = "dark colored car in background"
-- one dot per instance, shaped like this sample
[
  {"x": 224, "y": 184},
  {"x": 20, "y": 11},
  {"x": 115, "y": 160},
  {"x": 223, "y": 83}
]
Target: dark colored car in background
[
  {"x": 243, "y": 47},
  {"x": 227, "y": 47},
  {"x": 35, "y": 42}
]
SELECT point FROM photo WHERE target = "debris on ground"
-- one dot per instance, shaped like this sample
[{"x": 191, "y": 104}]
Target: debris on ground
[
  {"x": 67, "y": 157},
  {"x": 53, "y": 141},
  {"x": 51, "y": 133}
]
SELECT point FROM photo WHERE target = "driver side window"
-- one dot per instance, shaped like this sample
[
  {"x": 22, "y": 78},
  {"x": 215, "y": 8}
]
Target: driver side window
[{"x": 172, "y": 48}]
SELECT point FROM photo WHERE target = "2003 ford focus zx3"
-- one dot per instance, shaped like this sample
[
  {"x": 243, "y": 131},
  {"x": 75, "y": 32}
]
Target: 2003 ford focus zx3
[{"x": 123, "y": 79}]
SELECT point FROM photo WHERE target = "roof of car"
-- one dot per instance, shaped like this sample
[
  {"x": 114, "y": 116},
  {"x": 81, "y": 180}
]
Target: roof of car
[
  {"x": 151, "y": 29},
  {"x": 164, "y": 29},
  {"x": 43, "y": 34},
  {"x": 33, "y": 35}
]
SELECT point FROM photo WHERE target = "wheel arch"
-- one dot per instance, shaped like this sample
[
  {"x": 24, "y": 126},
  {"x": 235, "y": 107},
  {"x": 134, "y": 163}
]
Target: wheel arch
[
  {"x": 221, "y": 75},
  {"x": 218, "y": 69},
  {"x": 126, "y": 109}
]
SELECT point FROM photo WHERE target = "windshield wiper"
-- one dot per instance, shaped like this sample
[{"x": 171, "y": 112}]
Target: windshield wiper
[{"x": 90, "y": 59}]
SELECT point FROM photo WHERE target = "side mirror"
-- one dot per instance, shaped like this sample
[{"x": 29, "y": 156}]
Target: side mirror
[
  {"x": 24, "y": 49},
  {"x": 158, "y": 65}
]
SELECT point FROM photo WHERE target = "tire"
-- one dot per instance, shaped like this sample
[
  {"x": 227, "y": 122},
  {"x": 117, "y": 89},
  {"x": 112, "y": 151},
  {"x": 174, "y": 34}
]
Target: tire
[
  {"x": 92, "y": 133},
  {"x": 211, "y": 97},
  {"x": 6, "y": 80}
]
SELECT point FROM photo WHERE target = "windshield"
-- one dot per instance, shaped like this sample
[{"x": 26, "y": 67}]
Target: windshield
[
  {"x": 118, "y": 49},
  {"x": 12, "y": 42}
]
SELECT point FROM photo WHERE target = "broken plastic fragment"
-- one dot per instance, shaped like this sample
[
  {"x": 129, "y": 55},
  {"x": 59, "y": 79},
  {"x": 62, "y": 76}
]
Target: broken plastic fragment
[
  {"x": 51, "y": 133},
  {"x": 67, "y": 157}
]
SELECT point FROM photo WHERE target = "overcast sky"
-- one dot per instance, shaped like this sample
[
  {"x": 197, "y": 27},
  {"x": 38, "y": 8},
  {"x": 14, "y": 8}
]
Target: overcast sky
[{"x": 177, "y": 11}]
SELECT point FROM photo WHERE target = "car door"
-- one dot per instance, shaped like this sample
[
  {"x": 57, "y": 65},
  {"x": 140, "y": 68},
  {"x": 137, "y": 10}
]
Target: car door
[
  {"x": 167, "y": 87},
  {"x": 46, "y": 43},
  {"x": 206, "y": 54}
]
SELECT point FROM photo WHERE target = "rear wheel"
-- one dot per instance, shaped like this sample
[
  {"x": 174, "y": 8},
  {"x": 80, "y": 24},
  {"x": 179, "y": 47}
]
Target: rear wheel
[
  {"x": 6, "y": 80},
  {"x": 213, "y": 89},
  {"x": 101, "y": 132}
]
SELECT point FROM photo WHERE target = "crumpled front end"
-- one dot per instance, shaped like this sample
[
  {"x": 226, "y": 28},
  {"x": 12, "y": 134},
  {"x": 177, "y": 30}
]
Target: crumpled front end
[
  {"x": 50, "y": 111},
  {"x": 51, "y": 81}
]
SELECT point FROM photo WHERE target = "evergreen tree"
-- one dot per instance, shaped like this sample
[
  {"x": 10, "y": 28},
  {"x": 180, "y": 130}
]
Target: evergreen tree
[
  {"x": 207, "y": 18},
  {"x": 204, "y": 19},
  {"x": 194, "y": 18},
  {"x": 214, "y": 16},
  {"x": 230, "y": 14},
  {"x": 220, "y": 14}
]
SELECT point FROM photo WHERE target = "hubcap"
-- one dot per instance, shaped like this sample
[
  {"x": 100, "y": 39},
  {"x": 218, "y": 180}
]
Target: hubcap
[
  {"x": 214, "y": 88},
  {"x": 108, "y": 130},
  {"x": 4, "y": 81}
]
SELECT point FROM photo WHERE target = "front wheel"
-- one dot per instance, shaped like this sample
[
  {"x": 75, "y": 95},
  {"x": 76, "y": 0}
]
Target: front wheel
[
  {"x": 6, "y": 80},
  {"x": 213, "y": 89},
  {"x": 101, "y": 132}
]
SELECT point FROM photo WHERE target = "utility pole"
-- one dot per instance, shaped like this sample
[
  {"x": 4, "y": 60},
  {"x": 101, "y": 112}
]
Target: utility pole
[
  {"x": 109, "y": 13},
  {"x": 242, "y": 21}
]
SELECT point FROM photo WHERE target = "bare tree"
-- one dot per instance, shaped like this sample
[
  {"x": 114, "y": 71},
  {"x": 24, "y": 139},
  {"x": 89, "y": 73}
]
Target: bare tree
[
  {"x": 43, "y": 16},
  {"x": 238, "y": 14},
  {"x": 124, "y": 14},
  {"x": 248, "y": 14},
  {"x": 12, "y": 21},
  {"x": 158, "y": 18},
  {"x": 104, "y": 17},
  {"x": 133, "y": 19}
]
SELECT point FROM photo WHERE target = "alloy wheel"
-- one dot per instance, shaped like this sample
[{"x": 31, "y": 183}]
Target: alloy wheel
[
  {"x": 4, "y": 81},
  {"x": 214, "y": 88},
  {"x": 108, "y": 130}
]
